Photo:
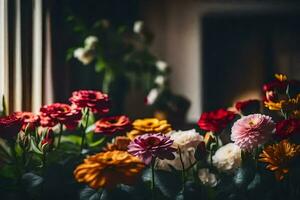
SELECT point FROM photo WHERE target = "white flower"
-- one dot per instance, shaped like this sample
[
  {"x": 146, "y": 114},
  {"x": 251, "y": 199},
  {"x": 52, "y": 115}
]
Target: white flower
[
  {"x": 161, "y": 65},
  {"x": 86, "y": 56},
  {"x": 152, "y": 96},
  {"x": 227, "y": 158},
  {"x": 160, "y": 80},
  {"x": 187, "y": 141},
  {"x": 207, "y": 178},
  {"x": 138, "y": 26},
  {"x": 90, "y": 42}
]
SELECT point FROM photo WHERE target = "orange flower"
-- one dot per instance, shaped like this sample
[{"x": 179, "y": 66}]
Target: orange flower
[
  {"x": 149, "y": 125},
  {"x": 119, "y": 143},
  {"x": 107, "y": 169},
  {"x": 278, "y": 157}
]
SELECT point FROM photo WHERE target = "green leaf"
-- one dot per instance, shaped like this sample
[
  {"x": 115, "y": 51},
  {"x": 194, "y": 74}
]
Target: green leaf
[
  {"x": 243, "y": 177},
  {"x": 32, "y": 182},
  {"x": 99, "y": 142},
  {"x": 168, "y": 183},
  {"x": 255, "y": 183},
  {"x": 90, "y": 194},
  {"x": 34, "y": 148},
  {"x": 72, "y": 139}
]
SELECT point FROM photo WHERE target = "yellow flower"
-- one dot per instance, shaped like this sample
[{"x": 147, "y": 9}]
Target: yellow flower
[
  {"x": 278, "y": 157},
  {"x": 149, "y": 125},
  {"x": 273, "y": 105},
  {"x": 281, "y": 77},
  {"x": 107, "y": 169}
]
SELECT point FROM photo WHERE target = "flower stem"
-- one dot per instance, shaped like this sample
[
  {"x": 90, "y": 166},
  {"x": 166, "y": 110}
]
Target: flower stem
[
  {"x": 60, "y": 134},
  {"x": 183, "y": 170},
  {"x": 84, "y": 129},
  {"x": 152, "y": 179}
]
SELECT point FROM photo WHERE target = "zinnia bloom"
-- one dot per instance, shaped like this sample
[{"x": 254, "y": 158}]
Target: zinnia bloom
[
  {"x": 150, "y": 146},
  {"x": 97, "y": 101},
  {"x": 10, "y": 126},
  {"x": 251, "y": 131},
  {"x": 112, "y": 125},
  {"x": 149, "y": 125},
  {"x": 107, "y": 169},
  {"x": 216, "y": 120},
  {"x": 119, "y": 143},
  {"x": 227, "y": 158},
  {"x": 56, "y": 113},
  {"x": 30, "y": 120},
  {"x": 287, "y": 128},
  {"x": 279, "y": 157}
]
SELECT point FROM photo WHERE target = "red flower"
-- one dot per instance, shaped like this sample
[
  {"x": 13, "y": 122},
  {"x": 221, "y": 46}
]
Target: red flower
[
  {"x": 248, "y": 107},
  {"x": 30, "y": 120},
  {"x": 112, "y": 125},
  {"x": 95, "y": 100},
  {"x": 216, "y": 120},
  {"x": 56, "y": 113},
  {"x": 287, "y": 128},
  {"x": 10, "y": 126}
]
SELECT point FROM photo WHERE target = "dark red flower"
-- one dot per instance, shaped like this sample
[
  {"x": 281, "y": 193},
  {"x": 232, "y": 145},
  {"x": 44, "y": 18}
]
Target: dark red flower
[
  {"x": 248, "y": 107},
  {"x": 287, "y": 128},
  {"x": 30, "y": 120},
  {"x": 275, "y": 85},
  {"x": 97, "y": 101},
  {"x": 112, "y": 125},
  {"x": 10, "y": 126},
  {"x": 53, "y": 114},
  {"x": 216, "y": 120}
]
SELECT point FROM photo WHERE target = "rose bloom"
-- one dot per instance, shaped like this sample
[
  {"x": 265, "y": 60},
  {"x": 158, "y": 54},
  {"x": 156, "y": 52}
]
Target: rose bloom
[
  {"x": 10, "y": 126},
  {"x": 30, "y": 120},
  {"x": 279, "y": 156},
  {"x": 251, "y": 131},
  {"x": 53, "y": 114},
  {"x": 150, "y": 146},
  {"x": 187, "y": 142},
  {"x": 216, "y": 120},
  {"x": 95, "y": 100},
  {"x": 287, "y": 128},
  {"x": 149, "y": 125},
  {"x": 107, "y": 169},
  {"x": 248, "y": 106},
  {"x": 227, "y": 158},
  {"x": 112, "y": 125}
]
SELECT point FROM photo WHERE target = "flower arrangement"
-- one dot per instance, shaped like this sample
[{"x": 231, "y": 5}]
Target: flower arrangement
[{"x": 81, "y": 151}]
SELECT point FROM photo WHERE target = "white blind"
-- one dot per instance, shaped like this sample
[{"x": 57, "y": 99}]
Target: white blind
[
  {"x": 37, "y": 55},
  {"x": 3, "y": 51}
]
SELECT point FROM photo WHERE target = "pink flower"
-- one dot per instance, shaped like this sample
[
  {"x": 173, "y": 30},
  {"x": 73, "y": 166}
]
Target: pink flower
[
  {"x": 150, "y": 146},
  {"x": 251, "y": 131}
]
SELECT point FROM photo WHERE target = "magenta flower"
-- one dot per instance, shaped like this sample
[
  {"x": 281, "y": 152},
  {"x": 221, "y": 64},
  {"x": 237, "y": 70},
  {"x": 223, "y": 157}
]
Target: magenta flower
[
  {"x": 251, "y": 131},
  {"x": 150, "y": 146}
]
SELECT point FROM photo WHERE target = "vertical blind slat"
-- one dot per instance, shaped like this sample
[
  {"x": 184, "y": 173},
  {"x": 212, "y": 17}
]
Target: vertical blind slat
[{"x": 4, "y": 73}]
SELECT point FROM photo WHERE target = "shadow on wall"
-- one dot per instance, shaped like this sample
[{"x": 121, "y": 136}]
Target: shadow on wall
[{"x": 241, "y": 52}]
